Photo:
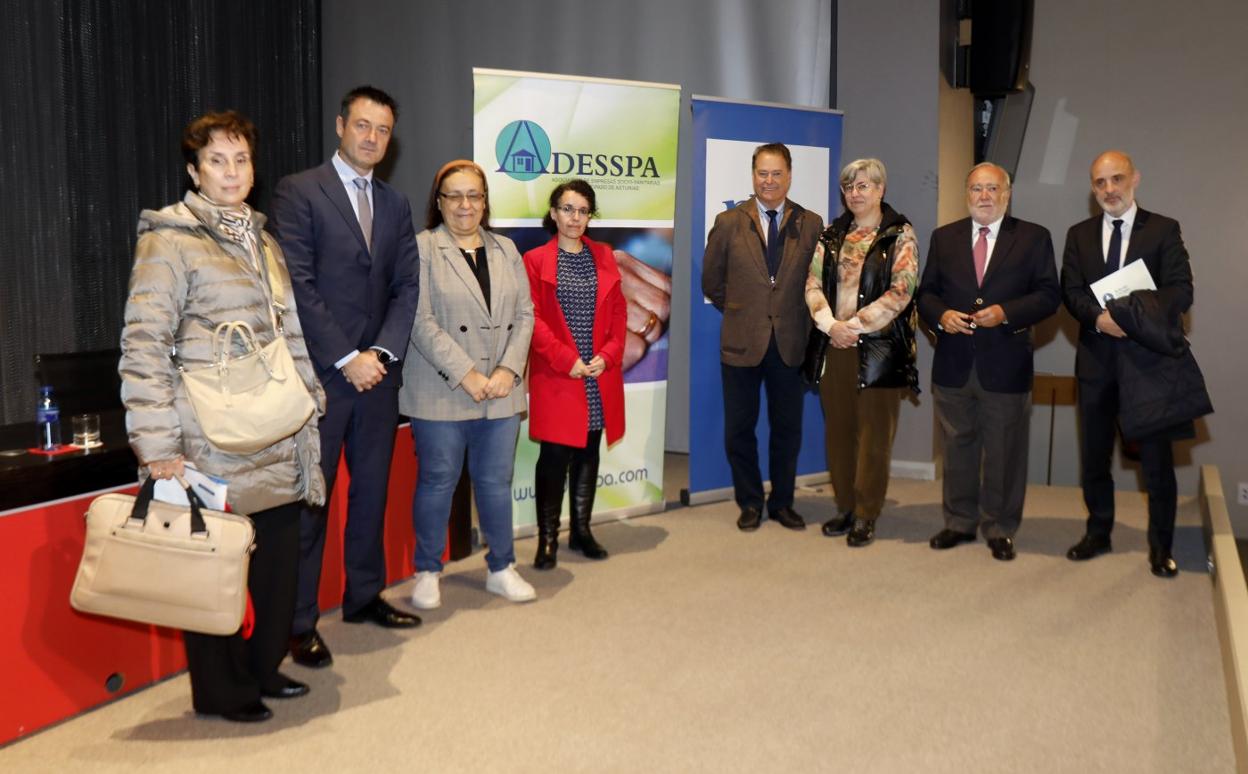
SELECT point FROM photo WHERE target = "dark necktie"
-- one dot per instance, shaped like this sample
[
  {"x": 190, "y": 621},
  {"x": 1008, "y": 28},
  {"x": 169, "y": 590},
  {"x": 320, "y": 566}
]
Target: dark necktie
[
  {"x": 1115, "y": 249},
  {"x": 773, "y": 245}
]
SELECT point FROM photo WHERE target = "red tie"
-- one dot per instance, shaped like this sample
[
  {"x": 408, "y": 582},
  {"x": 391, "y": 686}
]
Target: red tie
[{"x": 981, "y": 255}]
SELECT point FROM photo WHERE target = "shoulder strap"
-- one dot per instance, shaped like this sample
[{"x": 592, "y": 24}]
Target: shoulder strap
[{"x": 273, "y": 274}]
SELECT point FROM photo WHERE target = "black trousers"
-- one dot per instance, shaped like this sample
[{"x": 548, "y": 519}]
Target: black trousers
[
  {"x": 785, "y": 397},
  {"x": 1098, "y": 409},
  {"x": 556, "y": 463},
  {"x": 364, "y": 425},
  {"x": 228, "y": 672}
]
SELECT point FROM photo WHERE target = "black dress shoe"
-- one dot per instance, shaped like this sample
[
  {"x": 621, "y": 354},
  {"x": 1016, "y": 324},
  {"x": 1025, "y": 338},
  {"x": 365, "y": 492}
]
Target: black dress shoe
[
  {"x": 787, "y": 517},
  {"x": 749, "y": 519},
  {"x": 1088, "y": 547},
  {"x": 839, "y": 525},
  {"x": 382, "y": 613},
  {"x": 1162, "y": 564},
  {"x": 310, "y": 650},
  {"x": 1002, "y": 548},
  {"x": 861, "y": 534},
  {"x": 286, "y": 688},
  {"x": 252, "y": 713},
  {"x": 948, "y": 538}
]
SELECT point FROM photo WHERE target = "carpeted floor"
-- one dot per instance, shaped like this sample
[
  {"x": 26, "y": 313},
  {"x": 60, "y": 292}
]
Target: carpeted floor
[{"x": 697, "y": 648}]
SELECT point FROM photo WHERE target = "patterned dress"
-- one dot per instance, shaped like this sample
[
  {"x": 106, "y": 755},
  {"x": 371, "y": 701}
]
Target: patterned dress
[{"x": 577, "y": 291}]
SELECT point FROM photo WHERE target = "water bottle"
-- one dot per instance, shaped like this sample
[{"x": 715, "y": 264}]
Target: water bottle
[{"x": 48, "y": 417}]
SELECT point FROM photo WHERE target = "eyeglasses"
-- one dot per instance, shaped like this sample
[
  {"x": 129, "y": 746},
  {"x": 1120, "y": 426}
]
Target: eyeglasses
[
  {"x": 568, "y": 211},
  {"x": 861, "y": 188},
  {"x": 473, "y": 198},
  {"x": 978, "y": 189}
]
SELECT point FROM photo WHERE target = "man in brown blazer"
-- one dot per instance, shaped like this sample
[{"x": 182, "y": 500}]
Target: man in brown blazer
[{"x": 754, "y": 272}]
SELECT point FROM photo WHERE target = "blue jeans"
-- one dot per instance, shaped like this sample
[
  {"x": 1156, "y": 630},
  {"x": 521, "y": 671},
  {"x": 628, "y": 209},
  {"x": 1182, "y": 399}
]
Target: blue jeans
[{"x": 440, "y": 445}]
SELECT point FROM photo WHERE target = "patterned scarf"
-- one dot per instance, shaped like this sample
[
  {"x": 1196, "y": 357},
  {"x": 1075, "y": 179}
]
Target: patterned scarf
[{"x": 234, "y": 223}]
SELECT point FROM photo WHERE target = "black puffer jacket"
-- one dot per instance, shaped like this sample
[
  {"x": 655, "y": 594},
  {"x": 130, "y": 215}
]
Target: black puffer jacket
[
  {"x": 1160, "y": 387},
  {"x": 885, "y": 357}
]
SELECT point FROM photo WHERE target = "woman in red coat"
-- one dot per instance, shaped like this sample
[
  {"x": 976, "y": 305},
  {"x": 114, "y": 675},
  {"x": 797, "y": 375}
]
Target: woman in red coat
[{"x": 576, "y": 383}]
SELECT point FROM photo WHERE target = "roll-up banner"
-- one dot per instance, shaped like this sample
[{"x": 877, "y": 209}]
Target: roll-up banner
[
  {"x": 725, "y": 135},
  {"x": 533, "y": 131}
]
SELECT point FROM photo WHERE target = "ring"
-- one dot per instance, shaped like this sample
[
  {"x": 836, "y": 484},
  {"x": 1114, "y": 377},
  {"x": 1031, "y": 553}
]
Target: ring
[{"x": 650, "y": 323}]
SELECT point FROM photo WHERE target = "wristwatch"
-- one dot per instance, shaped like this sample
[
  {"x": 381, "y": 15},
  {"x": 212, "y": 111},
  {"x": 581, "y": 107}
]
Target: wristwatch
[{"x": 384, "y": 357}]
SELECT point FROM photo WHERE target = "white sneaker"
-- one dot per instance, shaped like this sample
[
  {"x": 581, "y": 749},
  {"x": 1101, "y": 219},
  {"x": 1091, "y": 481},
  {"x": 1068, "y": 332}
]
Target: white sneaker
[
  {"x": 508, "y": 584},
  {"x": 426, "y": 595}
]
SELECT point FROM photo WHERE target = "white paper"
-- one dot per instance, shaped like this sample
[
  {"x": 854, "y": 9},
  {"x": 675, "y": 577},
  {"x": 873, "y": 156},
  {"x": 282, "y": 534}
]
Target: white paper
[
  {"x": 211, "y": 490},
  {"x": 1134, "y": 276}
]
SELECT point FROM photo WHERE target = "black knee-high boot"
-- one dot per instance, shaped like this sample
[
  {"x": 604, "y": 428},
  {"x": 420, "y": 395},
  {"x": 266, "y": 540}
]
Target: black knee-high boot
[
  {"x": 582, "y": 485},
  {"x": 548, "y": 494}
]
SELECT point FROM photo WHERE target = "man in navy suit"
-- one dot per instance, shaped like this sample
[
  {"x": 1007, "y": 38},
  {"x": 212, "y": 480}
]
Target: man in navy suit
[
  {"x": 989, "y": 279},
  {"x": 351, "y": 250},
  {"x": 1095, "y": 248}
]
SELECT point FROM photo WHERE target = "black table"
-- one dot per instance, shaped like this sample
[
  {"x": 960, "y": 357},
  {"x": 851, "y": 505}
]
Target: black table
[{"x": 26, "y": 478}]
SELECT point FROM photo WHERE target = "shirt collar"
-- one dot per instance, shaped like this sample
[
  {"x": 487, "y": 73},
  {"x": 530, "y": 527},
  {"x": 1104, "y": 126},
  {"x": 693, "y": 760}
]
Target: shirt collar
[
  {"x": 346, "y": 173},
  {"x": 994, "y": 228},
  {"x": 762, "y": 212},
  {"x": 1127, "y": 218}
]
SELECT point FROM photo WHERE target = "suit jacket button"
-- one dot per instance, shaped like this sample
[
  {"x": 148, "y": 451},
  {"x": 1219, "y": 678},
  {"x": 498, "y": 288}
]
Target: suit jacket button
[
  {"x": 979, "y": 302},
  {"x": 463, "y": 329}
]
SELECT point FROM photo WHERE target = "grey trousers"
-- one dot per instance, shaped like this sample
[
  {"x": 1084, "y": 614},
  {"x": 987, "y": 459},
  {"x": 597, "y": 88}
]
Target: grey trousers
[{"x": 984, "y": 435}]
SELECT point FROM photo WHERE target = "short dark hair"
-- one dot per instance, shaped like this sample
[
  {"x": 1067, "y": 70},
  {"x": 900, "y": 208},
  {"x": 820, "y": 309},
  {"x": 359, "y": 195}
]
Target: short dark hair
[
  {"x": 576, "y": 186},
  {"x": 433, "y": 213},
  {"x": 198, "y": 133},
  {"x": 370, "y": 93},
  {"x": 778, "y": 148}
]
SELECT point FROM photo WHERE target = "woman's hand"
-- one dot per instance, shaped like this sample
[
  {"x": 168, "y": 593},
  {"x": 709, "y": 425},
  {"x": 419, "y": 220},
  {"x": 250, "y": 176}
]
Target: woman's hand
[
  {"x": 579, "y": 370},
  {"x": 475, "y": 384},
  {"x": 596, "y": 366},
  {"x": 166, "y": 469},
  {"x": 843, "y": 336},
  {"x": 500, "y": 383}
]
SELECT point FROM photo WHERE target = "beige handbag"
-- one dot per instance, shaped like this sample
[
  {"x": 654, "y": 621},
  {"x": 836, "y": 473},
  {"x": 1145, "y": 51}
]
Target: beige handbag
[
  {"x": 169, "y": 565},
  {"x": 245, "y": 403}
]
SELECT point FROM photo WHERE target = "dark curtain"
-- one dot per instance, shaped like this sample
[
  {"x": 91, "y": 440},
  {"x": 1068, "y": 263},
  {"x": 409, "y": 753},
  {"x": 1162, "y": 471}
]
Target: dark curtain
[{"x": 95, "y": 95}]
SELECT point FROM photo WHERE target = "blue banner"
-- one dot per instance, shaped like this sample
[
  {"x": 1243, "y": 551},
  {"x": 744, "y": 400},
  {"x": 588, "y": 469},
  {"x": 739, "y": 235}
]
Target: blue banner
[{"x": 725, "y": 135}]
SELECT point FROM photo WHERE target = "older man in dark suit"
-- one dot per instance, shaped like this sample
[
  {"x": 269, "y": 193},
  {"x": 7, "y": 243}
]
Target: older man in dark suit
[
  {"x": 351, "y": 249},
  {"x": 1095, "y": 248},
  {"x": 754, "y": 272},
  {"x": 989, "y": 279}
]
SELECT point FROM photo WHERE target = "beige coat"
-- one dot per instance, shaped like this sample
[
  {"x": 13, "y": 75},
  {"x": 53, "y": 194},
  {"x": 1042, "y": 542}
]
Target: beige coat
[
  {"x": 186, "y": 279},
  {"x": 455, "y": 333}
]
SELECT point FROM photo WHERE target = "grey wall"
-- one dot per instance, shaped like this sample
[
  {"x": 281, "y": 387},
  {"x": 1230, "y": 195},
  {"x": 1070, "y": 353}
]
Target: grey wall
[
  {"x": 1163, "y": 81},
  {"x": 423, "y": 53},
  {"x": 1168, "y": 83}
]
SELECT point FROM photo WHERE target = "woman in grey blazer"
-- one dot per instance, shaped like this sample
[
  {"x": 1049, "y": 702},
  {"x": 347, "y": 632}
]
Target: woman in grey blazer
[{"x": 462, "y": 375}]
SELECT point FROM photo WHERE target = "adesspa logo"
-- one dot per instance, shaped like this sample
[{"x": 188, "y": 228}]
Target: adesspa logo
[
  {"x": 523, "y": 150},
  {"x": 524, "y": 153}
]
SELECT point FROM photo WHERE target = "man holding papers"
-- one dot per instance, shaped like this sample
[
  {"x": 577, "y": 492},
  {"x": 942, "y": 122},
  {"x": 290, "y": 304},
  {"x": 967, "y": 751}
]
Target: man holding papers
[{"x": 1096, "y": 248}]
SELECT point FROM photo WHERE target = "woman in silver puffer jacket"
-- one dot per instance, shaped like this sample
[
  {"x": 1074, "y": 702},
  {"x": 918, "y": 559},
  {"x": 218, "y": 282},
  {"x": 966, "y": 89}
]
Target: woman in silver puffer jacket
[{"x": 199, "y": 263}]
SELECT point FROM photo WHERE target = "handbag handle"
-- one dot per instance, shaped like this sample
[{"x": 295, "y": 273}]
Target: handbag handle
[
  {"x": 144, "y": 501},
  {"x": 222, "y": 336}
]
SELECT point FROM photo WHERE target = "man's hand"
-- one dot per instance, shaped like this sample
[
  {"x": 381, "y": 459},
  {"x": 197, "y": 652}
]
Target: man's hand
[
  {"x": 953, "y": 321},
  {"x": 500, "y": 383},
  {"x": 475, "y": 384},
  {"x": 842, "y": 335},
  {"x": 1105, "y": 324},
  {"x": 364, "y": 371},
  {"x": 990, "y": 317}
]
